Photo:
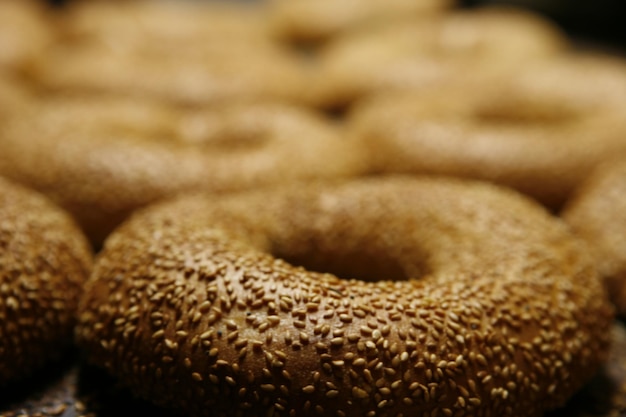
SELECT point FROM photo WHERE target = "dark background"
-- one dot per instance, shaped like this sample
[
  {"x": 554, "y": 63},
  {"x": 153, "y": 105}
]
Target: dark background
[{"x": 594, "y": 21}]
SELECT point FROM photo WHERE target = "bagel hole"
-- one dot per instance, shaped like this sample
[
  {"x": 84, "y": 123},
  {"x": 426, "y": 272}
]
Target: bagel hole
[
  {"x": 351, "y": 241},
  {"x": 360, "y": 266},
  {"x": 356, "y": 258}
]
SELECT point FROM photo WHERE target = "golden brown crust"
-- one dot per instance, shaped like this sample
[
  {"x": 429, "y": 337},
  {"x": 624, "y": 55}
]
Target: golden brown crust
[
  {"x": 431, "y": 54},
  {"x": 101, "y": 159},
  {"x": 533, "y": 131},
  {"x": 597, "y": 213},
  {"x": 497, "y": 310},
  {"x": 44, "y": 261},
  {"x": 316, "y": 21}
]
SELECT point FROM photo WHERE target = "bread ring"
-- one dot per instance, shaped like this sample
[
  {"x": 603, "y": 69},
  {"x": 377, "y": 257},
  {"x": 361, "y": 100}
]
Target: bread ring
[
  {"x": 541, "y": 141},
  {"x": 500, "y": 311},
  {"x": 451, "y": 49},
  {"x": 165, "y": 24},
  {"x": 44, "y": 261},
  {"x": 597, "y": 213},
  {"x": 101, "y": 159},
  {"x": 316, "y": 21},
  {"x": 186, "y": 78},
  {"x": 192, "y": 54}
]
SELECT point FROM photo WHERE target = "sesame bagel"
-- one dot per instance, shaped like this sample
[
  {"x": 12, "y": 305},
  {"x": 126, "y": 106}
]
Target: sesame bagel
[
  {"x": 457, "y": 48},
  {"x": 317, "y": 21},
  {"x": 541, "y": 138},
  {"x": 164, "y": 24},
  {"x": 183, "y": 77},
  {"x": 44, "y": 261},
  {"x": 467, "y": 300},
  {"x": 597, "y": 213},
  {"x": 156, "y": 50},
  {"x": 102, "y": 158},
  {"x": 191, "y": 53}
]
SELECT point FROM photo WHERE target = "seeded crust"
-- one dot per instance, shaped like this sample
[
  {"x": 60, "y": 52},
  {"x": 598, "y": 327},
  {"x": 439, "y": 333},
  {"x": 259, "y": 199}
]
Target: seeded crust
[
  {"x": 597, "y": 213},
  {"x": 536, "y": 133},
  {"x": 44, "y": 260},
  {"x": 482, "y": 304},
  {"x": 74, "y": 391},
  {"x": 101, "y": 159}
]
